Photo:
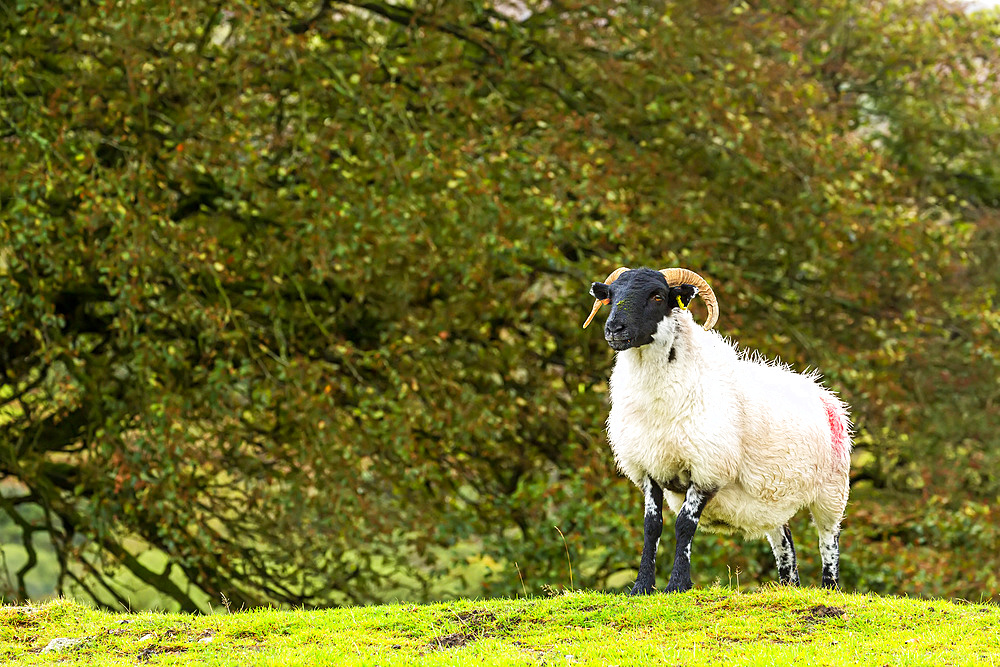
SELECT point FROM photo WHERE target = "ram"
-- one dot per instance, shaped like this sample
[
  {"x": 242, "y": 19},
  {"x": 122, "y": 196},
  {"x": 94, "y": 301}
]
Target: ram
[{"x": 734, "y": 443}]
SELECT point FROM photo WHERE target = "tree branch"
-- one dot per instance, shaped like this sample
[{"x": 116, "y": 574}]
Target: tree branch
[{"x": 409, "y": 17}]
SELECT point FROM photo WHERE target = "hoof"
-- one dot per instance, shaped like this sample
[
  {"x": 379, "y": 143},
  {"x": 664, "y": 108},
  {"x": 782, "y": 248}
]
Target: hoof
[
  {"x": 678, "y": 587},
  {"x": 642, "y": 589}
]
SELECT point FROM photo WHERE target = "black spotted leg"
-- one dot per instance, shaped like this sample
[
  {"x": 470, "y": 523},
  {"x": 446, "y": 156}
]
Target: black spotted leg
[
  {"x": 784, "y": 555},
  {"x": 645, "y": 583},
  {"x": 684, "y": 528}
]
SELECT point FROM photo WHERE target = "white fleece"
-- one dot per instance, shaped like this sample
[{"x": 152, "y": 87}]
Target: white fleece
[{"x": 760, "y": 434}]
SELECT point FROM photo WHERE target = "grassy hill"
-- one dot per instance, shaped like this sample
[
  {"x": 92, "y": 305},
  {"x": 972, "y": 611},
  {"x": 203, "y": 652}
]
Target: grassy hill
[{"x": 774, "y": 626}]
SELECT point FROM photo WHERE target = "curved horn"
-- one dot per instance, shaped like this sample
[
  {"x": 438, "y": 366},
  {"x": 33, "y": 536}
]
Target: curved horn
[
  {"x": 597, "y": 302},
  {"x": 687, "y": 277}
]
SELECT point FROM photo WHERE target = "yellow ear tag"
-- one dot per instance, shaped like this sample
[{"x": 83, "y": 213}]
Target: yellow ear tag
[{"x": 681, "y": 303}]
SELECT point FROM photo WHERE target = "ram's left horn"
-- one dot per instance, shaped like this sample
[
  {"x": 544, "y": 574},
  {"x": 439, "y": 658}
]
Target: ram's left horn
[{"x": 687, "y": 277}]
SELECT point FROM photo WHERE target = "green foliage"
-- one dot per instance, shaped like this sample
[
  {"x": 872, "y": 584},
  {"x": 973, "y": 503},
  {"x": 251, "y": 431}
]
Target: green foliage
[{"x": 292, "y": 296}]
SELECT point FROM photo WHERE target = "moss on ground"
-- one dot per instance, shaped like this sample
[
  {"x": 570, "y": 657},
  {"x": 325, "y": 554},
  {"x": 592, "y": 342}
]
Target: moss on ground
[{"x": 774, "y": 626}]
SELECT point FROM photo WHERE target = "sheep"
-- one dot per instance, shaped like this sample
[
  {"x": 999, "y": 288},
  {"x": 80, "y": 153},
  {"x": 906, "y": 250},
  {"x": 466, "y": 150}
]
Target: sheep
[{"x": 733, "y": 442}]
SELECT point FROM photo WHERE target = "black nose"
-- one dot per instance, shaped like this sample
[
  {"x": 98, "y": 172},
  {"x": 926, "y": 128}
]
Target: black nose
[{"x": 614, "y": 329}]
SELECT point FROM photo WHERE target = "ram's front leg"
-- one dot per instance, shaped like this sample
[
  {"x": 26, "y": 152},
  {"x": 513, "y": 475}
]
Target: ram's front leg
[
  {"x": 645, "y": 583},
  {"x": 687, "y": 523}
]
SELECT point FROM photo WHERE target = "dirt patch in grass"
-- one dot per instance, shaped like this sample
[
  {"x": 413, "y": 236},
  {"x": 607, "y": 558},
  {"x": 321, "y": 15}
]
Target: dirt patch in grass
[
  {"x": 735, "y": 604},
  {"x": 482, "y": 622},
  {"x": 476, "y": 618},
  {"x": 453, "y": 640},
  {"x": 476, "y": 624},
  {"x": 255, "y": 634},
  {"x": 821, "y": 613},
  {"x": 145, "y": 654},
  {"x": 510, "y": 624}
]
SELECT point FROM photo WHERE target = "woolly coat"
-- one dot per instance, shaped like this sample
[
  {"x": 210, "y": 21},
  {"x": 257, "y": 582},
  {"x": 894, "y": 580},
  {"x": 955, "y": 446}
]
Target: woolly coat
[{"x": 690, "y": 408}]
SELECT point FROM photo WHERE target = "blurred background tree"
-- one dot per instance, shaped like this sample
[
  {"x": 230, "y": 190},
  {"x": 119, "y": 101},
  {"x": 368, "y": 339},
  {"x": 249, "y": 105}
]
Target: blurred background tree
[{"x": 292, "y": 292}]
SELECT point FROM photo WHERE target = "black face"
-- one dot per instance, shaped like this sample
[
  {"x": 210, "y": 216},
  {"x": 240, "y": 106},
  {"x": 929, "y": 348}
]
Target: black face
[{"x": 640, "y": 299}]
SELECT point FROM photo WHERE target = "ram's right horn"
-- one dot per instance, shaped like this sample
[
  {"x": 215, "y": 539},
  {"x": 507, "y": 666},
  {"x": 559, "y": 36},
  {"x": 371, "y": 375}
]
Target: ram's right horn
[{"x": 607, "y": 281}]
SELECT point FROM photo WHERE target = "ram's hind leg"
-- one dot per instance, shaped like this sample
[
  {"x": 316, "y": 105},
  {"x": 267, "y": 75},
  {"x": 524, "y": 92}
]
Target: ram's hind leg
[
  {"x": 829, "y": 551},
  {"x": 784, "y": 555},
  {"x": 827, "y": 522}
]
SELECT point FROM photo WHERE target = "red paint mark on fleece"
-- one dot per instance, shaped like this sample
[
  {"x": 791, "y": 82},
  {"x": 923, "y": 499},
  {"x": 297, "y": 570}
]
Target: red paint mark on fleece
[{"x": 838, "y": 433}]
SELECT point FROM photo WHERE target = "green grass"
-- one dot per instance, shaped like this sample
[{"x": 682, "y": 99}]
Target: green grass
[{"x": 776, "y": 626}]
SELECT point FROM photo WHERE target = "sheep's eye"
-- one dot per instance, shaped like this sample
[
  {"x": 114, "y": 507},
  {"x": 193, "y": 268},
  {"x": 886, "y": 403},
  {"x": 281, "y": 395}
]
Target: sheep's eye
[{"x": 657, "y": 298}]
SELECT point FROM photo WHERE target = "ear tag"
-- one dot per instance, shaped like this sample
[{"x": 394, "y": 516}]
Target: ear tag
[{"x": 681, "y": 303}]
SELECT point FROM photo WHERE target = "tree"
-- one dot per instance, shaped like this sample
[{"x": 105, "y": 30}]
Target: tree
[{"x": 292, "y": 295}]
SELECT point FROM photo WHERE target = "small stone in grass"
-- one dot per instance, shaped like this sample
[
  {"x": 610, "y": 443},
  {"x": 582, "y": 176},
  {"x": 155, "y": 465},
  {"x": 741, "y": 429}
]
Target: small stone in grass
[{"x": 60, "y": 643}]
